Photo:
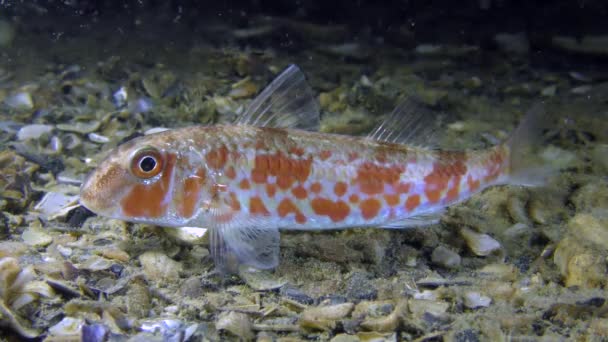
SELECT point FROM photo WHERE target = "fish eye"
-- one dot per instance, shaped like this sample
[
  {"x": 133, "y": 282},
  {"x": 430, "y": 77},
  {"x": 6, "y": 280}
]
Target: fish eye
[{"x": 147, "y": 163}]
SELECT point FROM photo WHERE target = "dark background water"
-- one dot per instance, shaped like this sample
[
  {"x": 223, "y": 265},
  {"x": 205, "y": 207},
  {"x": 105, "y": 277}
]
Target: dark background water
[{"x": 439, "y": 20}]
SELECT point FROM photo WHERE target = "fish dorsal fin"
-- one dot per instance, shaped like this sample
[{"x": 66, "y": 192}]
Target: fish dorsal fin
[
  {"x": 411, "y": 122},
  {"x": 287, "y": 102}
]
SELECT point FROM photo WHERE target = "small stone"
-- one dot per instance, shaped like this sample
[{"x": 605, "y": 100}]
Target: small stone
[
  {"x": 475, "y": 300},
  {"x": 243, "y": 89},
  {"x": 591, "y": 227},
  {"x": 480, "y": 244},
  {"x": 345, "y": 338},
  {"x": 138, "y": 299},
  {"x": 236, "y": 323},
  {"x": 36, "y": 237},
  {"x": 159, "y": 267},
  {"x": 599, "y": 157},
  {"x": 581, "y": 90},
  {"x": 445, "y": 257}
]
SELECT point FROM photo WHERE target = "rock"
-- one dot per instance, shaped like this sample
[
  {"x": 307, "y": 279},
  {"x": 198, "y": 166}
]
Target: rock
[
  {"x": 579, "y": 265},
  {"x": 480, "y": 244},
  {"x": 12, "y": 249},
  {"x": 68, "y": 326},
  {"x": 359, "y": 287},
  {"x": 591, "y": 228},
  {"x": 591, "y": 196},
  {"x": 549, "y": 91},
  {"x": 138, "y": 299},
  {"x": 445, "y": 257},
  {"x": 95, "y": 264},
  {"x": 159, "y": 267}
]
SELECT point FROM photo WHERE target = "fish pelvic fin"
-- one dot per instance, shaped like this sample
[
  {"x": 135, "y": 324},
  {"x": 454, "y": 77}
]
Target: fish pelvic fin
[
  {"x": 287, "y": 102},
  {"x": 525, "y": 168}
]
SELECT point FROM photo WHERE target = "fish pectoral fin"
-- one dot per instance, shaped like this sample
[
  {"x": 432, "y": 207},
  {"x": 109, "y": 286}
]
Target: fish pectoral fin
[
  {"x": 254, "y": 245},
  {"x": 412, "y": 122},
  {"x": 414, "y": 221},
  {"x": 287, "y": 102}
]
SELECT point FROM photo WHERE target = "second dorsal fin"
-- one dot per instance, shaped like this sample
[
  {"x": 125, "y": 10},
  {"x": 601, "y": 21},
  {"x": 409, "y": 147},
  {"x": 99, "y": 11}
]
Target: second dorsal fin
[
  {"x": 287, "y": 102},
  {"x": 411, "y": 122}
]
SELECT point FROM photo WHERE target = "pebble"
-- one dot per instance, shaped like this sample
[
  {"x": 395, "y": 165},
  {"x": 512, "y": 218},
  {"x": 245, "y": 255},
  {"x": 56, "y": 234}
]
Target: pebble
[
  {"x": 12, "y": 248},
  {"x": 581, "y": 90},
  {"x": 445, "y": 257},
  {"x": 475, "y": 300},
  {"x": 480, "y": 244},
  {"x": 159, "y": 267},
  {"x": 33, "y": 131},
  {"x": 517, "y": 43}
]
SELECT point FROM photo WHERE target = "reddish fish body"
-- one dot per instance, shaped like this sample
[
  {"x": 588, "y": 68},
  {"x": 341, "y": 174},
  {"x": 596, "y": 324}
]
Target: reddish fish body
[
  {"x": 244, "y": 182},
  {"x": 304, "y": 180}
]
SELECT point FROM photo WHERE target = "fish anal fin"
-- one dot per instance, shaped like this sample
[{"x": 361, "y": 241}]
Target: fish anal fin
[
  {"x": 287, "y": 102},
  {"x": 411, "y": 122}
]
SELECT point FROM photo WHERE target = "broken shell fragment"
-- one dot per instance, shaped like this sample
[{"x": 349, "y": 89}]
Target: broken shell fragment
[
  {"x": 33, "y": 131},
  {"x": 480, "y": 244}
]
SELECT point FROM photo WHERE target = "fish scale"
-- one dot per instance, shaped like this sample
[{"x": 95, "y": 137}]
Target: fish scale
[{"x": 273, "y": 170}]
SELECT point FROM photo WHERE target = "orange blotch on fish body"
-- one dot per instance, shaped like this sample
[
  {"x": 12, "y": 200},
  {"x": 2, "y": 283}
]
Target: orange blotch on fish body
[
  {"x": 473, "y": 184},
  {"x": 257, "y": 207},
  {"x": 231, "y": 172},
  {"x": 340, "y": 189},
  {"x": 286, "y": 207},
  {"x": 299, "y": 192},
  {"x": 354, "y": 198},
  {"x": 286, "y": 170},
  {"x": 298, "y": 151},
  {"x": 336, "y": 211},
  {"x": 191, "y": 189},
  {"x": 448, "y": 165},
  {"x": 244, "y": 184},
  {"x": 316, "y": 187},
  {"x": 148, "y": 200},
  {"x": 403, "y": 188},
  {"x": 370, "y": 208},
  {"x": 412, "y": 202},
  {"x": 258, "y": 176},
  {"x": 372, "y": 177},
  {"x": 233, "y": 202},
  {"x": 392, "y": 200},
  {"x": 271, "y": 190},
  {"x": 217, "y": 158},
  {"x": 324, "y": 155},
  {"x": 453, "y": 192},
  {"x": 352, "y": 156}
]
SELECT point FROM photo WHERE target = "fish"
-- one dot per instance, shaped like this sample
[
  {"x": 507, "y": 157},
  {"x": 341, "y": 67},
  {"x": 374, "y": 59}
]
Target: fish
[{"x": 271, "y": 169}]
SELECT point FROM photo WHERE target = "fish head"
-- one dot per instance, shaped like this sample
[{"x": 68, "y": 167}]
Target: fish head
[{"x": 147, "y": 180}]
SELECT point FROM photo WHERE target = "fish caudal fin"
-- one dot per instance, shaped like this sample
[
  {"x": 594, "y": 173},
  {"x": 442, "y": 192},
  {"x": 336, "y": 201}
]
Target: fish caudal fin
[{"x": 524, "y": 167}]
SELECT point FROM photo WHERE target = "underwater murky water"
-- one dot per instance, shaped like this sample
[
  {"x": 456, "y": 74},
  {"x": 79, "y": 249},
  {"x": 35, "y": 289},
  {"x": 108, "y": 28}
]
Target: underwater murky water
[{"x": 509, "y": 263}]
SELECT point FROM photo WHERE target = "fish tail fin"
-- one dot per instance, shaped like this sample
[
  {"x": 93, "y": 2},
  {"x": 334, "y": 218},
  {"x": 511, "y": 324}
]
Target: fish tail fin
[{"x": 524, "y": 168}]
